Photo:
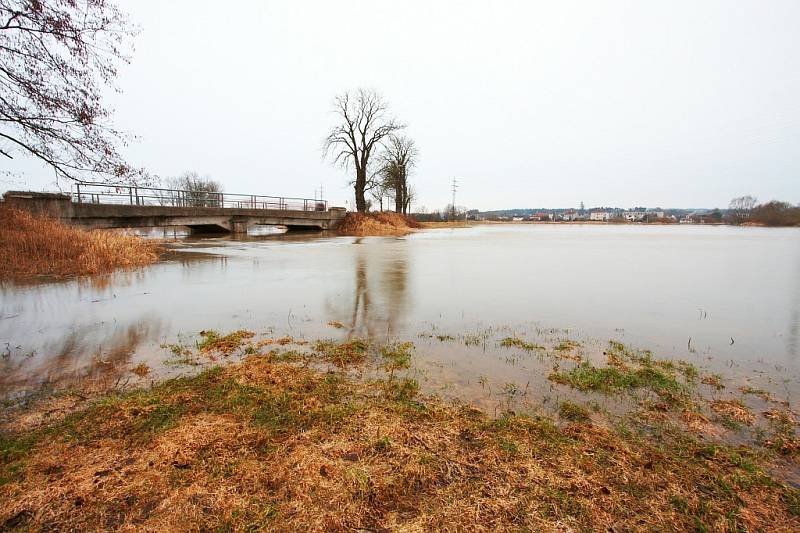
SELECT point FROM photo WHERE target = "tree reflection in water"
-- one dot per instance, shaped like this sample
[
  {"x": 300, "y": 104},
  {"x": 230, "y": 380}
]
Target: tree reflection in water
[{"x": 380, "y": 292}]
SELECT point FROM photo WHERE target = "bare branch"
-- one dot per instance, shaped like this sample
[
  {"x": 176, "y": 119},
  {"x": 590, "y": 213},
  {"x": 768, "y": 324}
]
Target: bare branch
[{"x": 56, "y": 59}]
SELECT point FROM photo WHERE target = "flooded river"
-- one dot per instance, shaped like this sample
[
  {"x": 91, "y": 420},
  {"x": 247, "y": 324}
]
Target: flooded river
[{"x": 726, "y": 299}]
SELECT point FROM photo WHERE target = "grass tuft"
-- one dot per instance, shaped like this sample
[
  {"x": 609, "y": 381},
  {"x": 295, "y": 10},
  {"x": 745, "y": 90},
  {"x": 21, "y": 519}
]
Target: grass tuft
[
  {"x": 516, "y": 342},
  {"x": 343, "y": 354},
  {"x": 224, "y": 344},
  {"x": 572, "y": 411}
]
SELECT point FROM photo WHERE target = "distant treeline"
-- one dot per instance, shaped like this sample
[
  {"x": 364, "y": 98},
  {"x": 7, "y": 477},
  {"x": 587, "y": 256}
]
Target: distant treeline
[
  {"x": 742, "y": 210},
  {"x": 775, "y": 214}
]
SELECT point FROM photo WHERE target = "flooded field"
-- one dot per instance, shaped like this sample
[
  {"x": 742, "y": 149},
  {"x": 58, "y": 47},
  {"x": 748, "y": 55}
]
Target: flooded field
[{"x": 725, "y": 300}]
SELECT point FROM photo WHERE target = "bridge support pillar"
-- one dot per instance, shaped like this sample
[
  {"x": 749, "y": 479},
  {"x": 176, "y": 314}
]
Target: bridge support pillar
[{"x": 239, "y": 226}]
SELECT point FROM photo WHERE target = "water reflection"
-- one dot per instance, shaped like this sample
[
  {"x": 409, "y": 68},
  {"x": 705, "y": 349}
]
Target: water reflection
[
  {"x": 87, "y": 355},
  {"x": 379, "y": 301},
  {"x": 793, "y": 344},
  {"x": 642, "y": 285}
]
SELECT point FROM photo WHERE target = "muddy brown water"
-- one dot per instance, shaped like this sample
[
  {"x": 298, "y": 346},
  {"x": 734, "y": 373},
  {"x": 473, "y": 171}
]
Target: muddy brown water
[{"x": 723, "y": 298}]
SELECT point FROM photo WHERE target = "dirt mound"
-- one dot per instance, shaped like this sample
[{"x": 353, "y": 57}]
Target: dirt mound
[{"x": 380, "y": 223}]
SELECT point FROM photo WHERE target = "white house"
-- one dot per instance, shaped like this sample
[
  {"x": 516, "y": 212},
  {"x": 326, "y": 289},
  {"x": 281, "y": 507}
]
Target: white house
[
  {"x": 634, "y": 216},
  {"x": 638, "y": 216},
  {"x": 603, "y": 216}
]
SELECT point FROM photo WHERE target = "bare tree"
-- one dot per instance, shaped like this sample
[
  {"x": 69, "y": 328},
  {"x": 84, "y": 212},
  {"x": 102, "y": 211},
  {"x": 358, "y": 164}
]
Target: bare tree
[
  {"x": 56, "y": 58},
  {"x": 741, "y": 207},
  {"x": 399, "y": 158},
  {"x": 410, "y": 196},
  {"x": 378, "y": 192},
  {"x": 363, "y": 124},
  {"x": 190, "y": 189}
]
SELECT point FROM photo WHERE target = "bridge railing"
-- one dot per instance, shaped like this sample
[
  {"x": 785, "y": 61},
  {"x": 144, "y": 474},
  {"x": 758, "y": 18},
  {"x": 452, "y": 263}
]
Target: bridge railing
[{"x": 104, "y": 193}]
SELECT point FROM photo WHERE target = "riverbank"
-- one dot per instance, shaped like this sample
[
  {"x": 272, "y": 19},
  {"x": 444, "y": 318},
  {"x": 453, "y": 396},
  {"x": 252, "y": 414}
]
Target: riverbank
[
  {"x": 335, "y": 436},
  {"x": 33, "y": 245}
]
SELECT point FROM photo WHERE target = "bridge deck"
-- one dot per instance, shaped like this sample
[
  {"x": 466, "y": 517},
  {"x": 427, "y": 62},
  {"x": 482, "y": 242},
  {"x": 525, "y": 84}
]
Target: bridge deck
[{"x": 125, "y": 207}]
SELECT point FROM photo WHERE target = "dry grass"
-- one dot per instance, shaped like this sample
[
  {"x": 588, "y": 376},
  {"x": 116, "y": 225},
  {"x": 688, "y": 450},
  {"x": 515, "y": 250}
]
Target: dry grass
[
  {"x": 714, "y": 381},
  {"x": 265, "y": 444},
  {"x": 32, "y": 245},
  {"x": 734, "y": 410},
  {"x": 141, "y": 370},
  {"x": 455, "y": 224},
  {"x": 350, "y": 352},
  {"x": 783, "y": 438},
  {"x": 380, "y": 223},
  {"x": 225, "y": 344}
]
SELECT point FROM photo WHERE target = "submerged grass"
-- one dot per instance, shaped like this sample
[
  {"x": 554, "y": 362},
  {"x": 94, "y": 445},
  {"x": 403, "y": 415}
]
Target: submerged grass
[
  {"x": 516, "y": 342},
  {"x": 351, "y": 352},
  {"x": 33, "y": 245},
  {"x": 783, "y": 438},
  {"x": 212, "y": 341},
  {"x": 573, "y": 411},
  {"x": 733, "y": 410},
  {"x": 266, "y": 444},
  {"x": 628, "y": 371}
]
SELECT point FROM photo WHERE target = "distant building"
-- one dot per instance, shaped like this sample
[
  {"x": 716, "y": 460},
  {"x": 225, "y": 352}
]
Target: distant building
[
  {"x": 642, "y": 216},
  {"x": 602, "y": 216},
  {"x": 569, "y": 215},
  {"x": 634, "y": 216}
]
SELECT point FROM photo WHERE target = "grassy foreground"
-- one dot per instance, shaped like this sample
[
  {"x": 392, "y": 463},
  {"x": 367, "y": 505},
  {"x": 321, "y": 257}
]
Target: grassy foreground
[
  {"x": 274, "y": 443},
  {"x": 32, "y": 246}
]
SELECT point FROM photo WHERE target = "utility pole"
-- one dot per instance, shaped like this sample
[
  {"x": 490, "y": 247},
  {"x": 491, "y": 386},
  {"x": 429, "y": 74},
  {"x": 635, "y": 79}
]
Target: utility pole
[{"x": 453, "y": 206}]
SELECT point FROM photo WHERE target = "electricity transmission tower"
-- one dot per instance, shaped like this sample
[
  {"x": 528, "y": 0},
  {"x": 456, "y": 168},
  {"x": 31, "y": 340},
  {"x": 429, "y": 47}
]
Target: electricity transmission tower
[{"x": 453, "y": 205}]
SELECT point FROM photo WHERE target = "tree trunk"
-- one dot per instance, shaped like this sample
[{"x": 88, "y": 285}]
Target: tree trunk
[
  {"x": 399, "y": 194},
  {"x": 360, "y": 185}
]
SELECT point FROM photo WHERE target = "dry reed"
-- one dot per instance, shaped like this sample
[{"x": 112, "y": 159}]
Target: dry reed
[{"x": 32, "y": 245}]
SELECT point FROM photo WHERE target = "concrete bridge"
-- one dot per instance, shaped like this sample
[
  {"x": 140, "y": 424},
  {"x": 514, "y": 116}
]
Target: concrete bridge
[{"x": 103, "y": 206}]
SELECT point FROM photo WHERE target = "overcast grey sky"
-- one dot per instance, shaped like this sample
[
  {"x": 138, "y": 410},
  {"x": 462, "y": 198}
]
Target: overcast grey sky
[{"x": 530, "y": 103}]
